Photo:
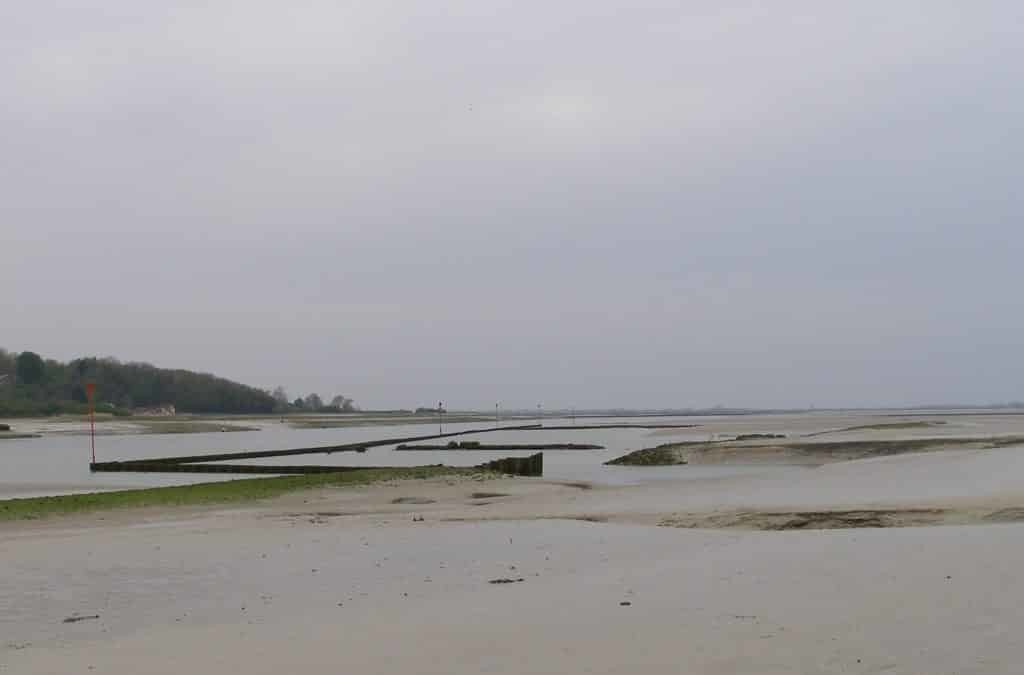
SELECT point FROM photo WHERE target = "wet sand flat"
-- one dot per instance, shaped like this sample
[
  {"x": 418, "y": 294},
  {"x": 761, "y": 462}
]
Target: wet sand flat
[
  {"x": 354, "y": 582},
  {"x": 196, "y": 596},
  {"x": 898, "y": 564}
]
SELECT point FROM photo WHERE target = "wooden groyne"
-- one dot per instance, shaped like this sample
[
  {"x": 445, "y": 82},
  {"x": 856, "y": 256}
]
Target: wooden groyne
[
  {"x": 521, "y": 466},
  {"x": 473, "y": 446},
  {"x": 584, "y": 427},
  {"x": 361, "y": 446},
  {"x": 518, "y": 466},
  {"x": 144, "y": 466},
  {"x": 515, "y": 466}
]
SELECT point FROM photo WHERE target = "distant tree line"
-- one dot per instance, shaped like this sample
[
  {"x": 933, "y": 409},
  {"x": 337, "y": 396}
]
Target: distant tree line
[
  {"x": 32, "y": 385},
  {"x": 311, "y": 403}
]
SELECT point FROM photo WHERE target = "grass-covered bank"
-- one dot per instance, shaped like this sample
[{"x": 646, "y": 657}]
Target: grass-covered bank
[{"x": 224, "y": 492}]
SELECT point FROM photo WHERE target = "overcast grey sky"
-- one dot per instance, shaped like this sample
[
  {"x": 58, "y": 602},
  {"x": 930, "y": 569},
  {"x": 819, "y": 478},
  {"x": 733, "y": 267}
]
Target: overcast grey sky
[{"x": 581, "y": 203}]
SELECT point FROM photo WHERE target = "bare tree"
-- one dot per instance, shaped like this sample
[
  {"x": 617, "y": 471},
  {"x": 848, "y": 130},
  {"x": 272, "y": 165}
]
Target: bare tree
[
  {"x": 281, "y": 402},
  {"x": 343, "y": 403}
]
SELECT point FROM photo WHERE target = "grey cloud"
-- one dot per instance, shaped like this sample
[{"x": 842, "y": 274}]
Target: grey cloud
[{"x": 590, "y": 204}]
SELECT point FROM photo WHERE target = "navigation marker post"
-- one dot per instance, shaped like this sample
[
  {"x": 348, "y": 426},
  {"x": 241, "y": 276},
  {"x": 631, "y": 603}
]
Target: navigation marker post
[{"x": 90, "y": 390}]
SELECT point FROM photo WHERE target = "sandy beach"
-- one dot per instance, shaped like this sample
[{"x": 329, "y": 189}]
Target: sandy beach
[{"x": 739, "y": 573}]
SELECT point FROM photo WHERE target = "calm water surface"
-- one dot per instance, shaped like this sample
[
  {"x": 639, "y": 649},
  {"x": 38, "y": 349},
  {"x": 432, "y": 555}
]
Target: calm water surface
[{"x": 60, "y": 464}]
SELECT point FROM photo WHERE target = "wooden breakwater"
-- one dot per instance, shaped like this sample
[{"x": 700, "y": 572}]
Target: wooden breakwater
[
  {"x": 360, "y": 446},
  {"x": 515, "y": 466},
  {"x": 584, "y": 427},
  {"x": 520, "y": 466},
  {"x": 529, "y": 466},
  {"x": 481, "y": 447},
  {"x": 143, "y": 466}
]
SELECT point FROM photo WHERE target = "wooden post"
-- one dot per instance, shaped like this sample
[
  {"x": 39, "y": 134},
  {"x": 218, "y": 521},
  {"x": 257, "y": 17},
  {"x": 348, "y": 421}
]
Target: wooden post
[{"x": 90, "y": 390}]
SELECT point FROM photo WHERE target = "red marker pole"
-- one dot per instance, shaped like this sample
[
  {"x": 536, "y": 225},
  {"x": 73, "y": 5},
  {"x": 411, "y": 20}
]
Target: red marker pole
[{"x": 90, "y": 389}]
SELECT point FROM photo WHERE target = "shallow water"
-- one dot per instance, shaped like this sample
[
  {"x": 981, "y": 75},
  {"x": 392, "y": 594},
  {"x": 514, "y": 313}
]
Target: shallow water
[{"x": 60, "y": 464}]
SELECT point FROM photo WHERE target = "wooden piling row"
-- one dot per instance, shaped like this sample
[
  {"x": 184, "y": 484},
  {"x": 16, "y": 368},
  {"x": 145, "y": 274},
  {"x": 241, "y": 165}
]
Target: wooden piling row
[
  {"x": 519, "y": 466},
  {"x": 143, "y": 466}
]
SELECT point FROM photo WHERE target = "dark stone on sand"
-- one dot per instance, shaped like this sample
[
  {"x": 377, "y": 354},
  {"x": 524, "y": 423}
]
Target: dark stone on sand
[
  {"x": 76, "y": 619},
  {"x": 413, "y": 500}
]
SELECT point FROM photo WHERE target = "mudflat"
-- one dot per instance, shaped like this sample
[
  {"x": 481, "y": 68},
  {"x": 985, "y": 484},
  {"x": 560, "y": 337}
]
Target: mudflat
[{"x": 892, "y": 564}]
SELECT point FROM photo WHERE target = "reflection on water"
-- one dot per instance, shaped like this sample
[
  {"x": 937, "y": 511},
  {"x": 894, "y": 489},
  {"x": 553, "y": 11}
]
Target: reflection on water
[{"x": 60, "y": 464}]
